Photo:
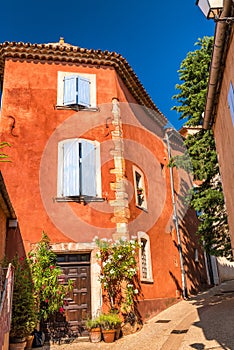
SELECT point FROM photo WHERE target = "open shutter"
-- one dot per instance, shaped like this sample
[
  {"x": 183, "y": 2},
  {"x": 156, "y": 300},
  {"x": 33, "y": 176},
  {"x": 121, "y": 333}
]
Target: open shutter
[
  {"x": 231, "y": 101},
  {"x": 71, "y": 169},
  {"x": 88, "y": 169},
  {"x": 70, "y": 90},
  {"x": 83, "y": 92}
]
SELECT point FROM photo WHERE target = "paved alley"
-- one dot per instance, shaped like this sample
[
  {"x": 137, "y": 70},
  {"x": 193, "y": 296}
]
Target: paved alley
[{"x": 205, "y": 321}]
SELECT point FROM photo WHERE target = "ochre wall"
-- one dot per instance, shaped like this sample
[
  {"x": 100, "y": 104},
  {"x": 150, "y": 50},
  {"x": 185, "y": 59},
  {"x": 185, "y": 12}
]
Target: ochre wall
[
  {"x": 3, "y": 221},
  {"x": 29, "y": 97},
  {"x": 224, "y": 137}
]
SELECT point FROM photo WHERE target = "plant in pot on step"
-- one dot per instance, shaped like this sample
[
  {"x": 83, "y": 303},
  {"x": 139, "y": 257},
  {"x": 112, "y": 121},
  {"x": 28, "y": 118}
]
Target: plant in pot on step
[
  {"x": 108, "y": 323},
  {"x": 93, "y": 326},
  {"x": 24, "y": 313}
]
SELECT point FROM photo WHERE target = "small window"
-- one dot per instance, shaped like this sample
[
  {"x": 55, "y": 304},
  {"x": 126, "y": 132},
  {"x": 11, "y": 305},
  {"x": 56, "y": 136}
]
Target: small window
[
  {"x": 79, "y": 168},
  {"x": 139, "y": 186},
  {"x": 145, "y": 257},
  {"x": 231, "y": 101},
  {"x": 76, "y": 90}
]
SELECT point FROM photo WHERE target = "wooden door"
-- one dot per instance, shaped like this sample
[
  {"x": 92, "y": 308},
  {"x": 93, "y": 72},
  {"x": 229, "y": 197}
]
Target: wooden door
[{"x": 76, "y": 267}]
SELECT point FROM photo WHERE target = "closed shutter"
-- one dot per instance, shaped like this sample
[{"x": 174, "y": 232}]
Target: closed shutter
[
  {"x": 88, "y": 169},
  {"x": 71, "y": 168},
  {"x": 231, "y": 101},
  {"x": 83, "y": 92},
  {"x": 70, "y": 90}
]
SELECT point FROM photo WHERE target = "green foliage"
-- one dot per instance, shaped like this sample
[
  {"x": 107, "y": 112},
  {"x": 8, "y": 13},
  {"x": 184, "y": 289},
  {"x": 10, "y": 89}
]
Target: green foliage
[
  {"x": 119, "y": 271},
  {"x": 49, "y": 293},
  {"x": 24, "y": 319},
  {"x": 194, "y": 72},
  {"x": 207, "y": 199},
  {"x": 3, "y": 156},
  {"x": 109, "y": 321},
  {"x": 93, "y": 323}
]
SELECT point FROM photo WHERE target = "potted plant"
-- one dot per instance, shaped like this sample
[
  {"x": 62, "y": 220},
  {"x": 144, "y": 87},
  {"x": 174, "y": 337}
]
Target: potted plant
[
  {"x": 109, "y": 323},
  {"x": 93, "y": 326},
  {"x": 24, "y": 316}
]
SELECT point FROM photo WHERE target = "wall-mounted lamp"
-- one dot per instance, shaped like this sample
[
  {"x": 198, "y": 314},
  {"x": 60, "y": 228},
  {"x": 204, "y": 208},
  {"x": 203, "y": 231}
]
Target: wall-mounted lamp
[{"x": 212, "y": 9}]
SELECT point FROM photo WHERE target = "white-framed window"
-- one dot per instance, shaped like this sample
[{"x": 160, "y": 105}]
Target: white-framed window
[
  {"x": 139, "y": 187},
  {"x": 79, "y": 173},
  {"x": 76, "y": 89},
  {"x": 145, "y": 257}
]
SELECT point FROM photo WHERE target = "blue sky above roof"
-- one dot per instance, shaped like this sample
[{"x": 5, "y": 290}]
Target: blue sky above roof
[{"x": 153, "y": 36}]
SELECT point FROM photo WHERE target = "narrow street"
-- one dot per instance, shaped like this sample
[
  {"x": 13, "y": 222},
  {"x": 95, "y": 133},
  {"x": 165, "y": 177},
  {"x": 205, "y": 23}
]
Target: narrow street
[{"x": 202, "y": 322}]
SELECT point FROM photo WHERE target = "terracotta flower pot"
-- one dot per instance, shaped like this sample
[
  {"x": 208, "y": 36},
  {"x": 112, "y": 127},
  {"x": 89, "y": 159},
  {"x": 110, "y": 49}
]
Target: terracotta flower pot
[
  {"x": 17, "y": 346},
  {"x": 95, "y": 335},
  {"x": 29, "y": 341},
  {"x": 108, "y": 335}
]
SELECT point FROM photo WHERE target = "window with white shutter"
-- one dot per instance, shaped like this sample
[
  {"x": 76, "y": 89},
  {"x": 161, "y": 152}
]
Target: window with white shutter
[
  {"x": 139, "y": 187},
  {"x": 79, "y": 169},
  {"x": 145, "y": 258},
  {"x": 76, "y": 90}
]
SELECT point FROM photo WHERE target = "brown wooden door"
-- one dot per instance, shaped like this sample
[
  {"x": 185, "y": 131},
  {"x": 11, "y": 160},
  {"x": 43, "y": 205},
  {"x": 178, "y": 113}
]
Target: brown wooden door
[{"x": 76, "y": 267}]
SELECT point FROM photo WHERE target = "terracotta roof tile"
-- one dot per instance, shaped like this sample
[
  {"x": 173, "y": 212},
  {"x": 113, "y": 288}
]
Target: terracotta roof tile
[{"x": 63, "y": 52}]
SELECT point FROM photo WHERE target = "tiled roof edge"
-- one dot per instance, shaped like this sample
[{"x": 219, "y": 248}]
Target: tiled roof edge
[{"x": 77, "y": 55}]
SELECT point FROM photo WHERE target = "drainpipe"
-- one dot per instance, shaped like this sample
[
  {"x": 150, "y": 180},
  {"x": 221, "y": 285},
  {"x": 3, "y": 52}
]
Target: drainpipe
[
  {"x": 176, "y": 223},
  {"x": 216, "y": 63}
]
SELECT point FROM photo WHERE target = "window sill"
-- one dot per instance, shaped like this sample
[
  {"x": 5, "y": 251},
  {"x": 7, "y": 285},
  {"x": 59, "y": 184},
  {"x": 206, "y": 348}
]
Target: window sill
[
  {"x": 79, "y": 199},
  {"x": 77, "y": 108},
  {"x": 142, "y": 208},
  {"x": 147, "y": 280}
]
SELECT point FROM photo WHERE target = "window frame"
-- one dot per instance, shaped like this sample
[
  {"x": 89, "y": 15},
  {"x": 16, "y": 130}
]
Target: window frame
[
  {"x": 144, "y": 236},
  {"x": 142, "y": 205},
  {"x": 231, "y": 101},
  {"x": 60, "y": 173},
  {"x": 60, "y": 90}
]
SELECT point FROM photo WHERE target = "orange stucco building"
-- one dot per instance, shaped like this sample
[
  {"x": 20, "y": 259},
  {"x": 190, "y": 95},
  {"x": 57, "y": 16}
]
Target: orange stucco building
[{"x": 62, "y": 103}]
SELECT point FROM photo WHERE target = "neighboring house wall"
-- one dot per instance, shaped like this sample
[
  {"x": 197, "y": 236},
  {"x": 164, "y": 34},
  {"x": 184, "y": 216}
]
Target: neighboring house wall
[
  {"x": 224, "y": 135},
  {"x": 133, "y": 193},
  {"x": 7, "y": 217},
  {"x": 225, "y": 269}
]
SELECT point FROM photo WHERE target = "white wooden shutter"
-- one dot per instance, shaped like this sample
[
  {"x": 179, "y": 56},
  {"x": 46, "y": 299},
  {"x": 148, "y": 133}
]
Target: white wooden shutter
[
  {"x": 83, "y": 91},
  {"x": 88, "y": 169},
  {"x": 71, "y": 168},
  {"x": 70, "y": 90}
]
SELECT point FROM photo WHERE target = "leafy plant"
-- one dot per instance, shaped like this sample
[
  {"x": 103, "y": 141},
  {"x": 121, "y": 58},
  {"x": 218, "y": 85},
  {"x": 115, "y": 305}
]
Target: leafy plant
[
  {"x": 207, "y": 199},
  {"x": 109, "y": 321},
  {"x": 92, "y": 323},
  {"x": 48, "y": 292},
  {"x": 3, "y": 156},
  {"x": 119, "y": 272},
  {"x": 24, "y": 315}
]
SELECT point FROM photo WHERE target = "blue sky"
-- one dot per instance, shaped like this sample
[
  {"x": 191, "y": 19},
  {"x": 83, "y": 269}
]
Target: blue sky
[{"x": 154, "y": 36}]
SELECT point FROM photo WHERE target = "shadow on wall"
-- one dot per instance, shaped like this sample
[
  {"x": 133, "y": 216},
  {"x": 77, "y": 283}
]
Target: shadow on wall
[{"x": 14, "y": 243}]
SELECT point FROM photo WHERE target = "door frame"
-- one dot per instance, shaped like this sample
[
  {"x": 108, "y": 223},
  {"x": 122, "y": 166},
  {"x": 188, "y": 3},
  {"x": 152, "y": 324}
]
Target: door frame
[{"x": 79, "y": 248}]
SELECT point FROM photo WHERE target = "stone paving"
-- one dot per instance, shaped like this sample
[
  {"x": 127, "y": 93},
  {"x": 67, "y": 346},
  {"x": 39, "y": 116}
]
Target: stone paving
[{"x": 205, "y": 321}]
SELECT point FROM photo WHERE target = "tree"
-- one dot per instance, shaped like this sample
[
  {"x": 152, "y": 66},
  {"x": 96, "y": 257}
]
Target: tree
[{"x": 207, "y": 199}]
